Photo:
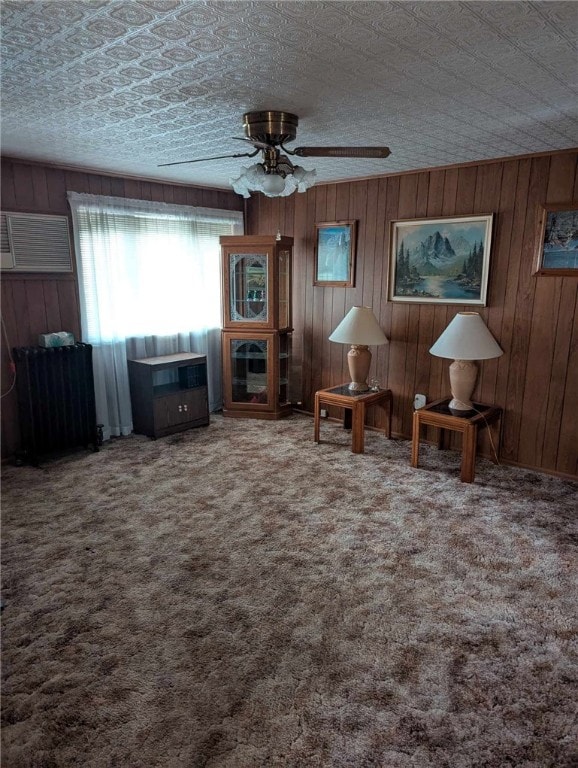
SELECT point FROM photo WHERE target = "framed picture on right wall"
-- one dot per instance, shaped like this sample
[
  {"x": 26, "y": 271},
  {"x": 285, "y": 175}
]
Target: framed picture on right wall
[
  {"x": 557, "y": 240},
  {"x": 440, "y": 261}
]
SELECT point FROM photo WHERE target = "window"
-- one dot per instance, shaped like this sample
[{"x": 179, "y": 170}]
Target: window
[{"x": 149, "y": 284}]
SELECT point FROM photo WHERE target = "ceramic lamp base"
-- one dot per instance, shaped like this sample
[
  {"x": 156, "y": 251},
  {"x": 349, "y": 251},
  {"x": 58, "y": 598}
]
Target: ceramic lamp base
[
  {"x": 463, "y": 375},
  {"x": 359, "y": 360}
]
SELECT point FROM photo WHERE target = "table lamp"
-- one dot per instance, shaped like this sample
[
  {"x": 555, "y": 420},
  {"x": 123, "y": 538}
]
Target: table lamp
[
  {"x": 359, "y": 328},
  {"x": 466, "y": 339}
]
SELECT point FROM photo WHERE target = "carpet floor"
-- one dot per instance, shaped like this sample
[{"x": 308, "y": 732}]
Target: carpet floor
[{"x": 237, "y": 596}]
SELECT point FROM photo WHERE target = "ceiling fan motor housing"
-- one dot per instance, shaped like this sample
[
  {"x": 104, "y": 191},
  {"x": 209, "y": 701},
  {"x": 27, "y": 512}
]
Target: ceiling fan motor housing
[{"x": 270, "y": 127}]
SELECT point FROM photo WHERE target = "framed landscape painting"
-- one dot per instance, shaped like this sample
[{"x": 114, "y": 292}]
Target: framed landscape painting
[
  {"x": 335, "y": 253},
  {"x": 440, "y": 261},
  {"x": 557, "y": 240}
]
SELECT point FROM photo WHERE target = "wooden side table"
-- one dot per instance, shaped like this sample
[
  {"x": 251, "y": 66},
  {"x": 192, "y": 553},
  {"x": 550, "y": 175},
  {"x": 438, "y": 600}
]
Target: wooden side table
[
  {"x": 354, "y": 405},
  {"x": 437, "y": 414}
]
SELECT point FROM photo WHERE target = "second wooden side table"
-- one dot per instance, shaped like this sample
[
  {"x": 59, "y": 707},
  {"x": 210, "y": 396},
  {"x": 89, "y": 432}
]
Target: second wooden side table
[{"x": 437, "y": 414}]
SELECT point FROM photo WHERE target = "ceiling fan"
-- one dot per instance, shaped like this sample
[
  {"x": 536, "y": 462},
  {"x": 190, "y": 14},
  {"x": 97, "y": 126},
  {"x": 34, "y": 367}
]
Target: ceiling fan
[{"x": 276, "y": 175}]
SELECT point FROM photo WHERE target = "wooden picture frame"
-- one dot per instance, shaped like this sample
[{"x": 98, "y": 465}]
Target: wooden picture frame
[
  {"x": 557, "y": 240},
  {"x": 440, "y": 260},
  {"x": 335, "y": 252}
]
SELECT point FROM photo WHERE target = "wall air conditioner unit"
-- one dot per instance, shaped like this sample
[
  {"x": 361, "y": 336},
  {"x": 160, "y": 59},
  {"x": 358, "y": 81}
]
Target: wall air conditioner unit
[{"x": 31, "y": 242}]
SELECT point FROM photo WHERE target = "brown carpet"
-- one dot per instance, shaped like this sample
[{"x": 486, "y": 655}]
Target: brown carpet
[{"x": 239, "y": 597}]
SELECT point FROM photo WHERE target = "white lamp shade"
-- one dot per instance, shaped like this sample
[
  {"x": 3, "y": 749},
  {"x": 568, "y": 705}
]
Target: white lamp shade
[
  {"x": 359, "y": 326},
  {"x": 467, "y": 338}
]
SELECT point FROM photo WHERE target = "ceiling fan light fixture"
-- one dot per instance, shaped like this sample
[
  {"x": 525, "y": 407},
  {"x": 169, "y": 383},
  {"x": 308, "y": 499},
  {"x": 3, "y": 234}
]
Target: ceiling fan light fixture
[
  {"x": 303, "y": 179},
  {"x": 254, "y": 178},
  {"x": 273, "y": 184},
  {"x": 275, "y": 175},
  {"x": 251, "y": 177}
]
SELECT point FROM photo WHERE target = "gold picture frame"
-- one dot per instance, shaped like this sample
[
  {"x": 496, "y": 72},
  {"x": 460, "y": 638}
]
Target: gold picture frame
[
  {"x": 557, "y": 240},
  {"x": 335, "y": 252},
  {"x": 440, "y": 260}
]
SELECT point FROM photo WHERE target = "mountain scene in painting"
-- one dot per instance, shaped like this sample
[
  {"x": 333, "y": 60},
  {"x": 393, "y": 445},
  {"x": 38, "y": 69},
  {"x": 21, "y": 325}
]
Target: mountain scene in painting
[{"x": 440, "y": 260}]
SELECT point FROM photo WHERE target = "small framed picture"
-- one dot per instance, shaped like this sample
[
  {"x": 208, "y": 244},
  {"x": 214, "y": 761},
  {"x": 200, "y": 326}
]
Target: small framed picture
[
  {"x": 557, "y": 240},
  {"x": 440, "y": 261},
  {"x": 335, "y": 244}
]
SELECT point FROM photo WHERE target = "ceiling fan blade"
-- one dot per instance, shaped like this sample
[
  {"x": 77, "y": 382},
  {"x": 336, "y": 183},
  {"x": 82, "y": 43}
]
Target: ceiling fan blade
[
  {"x": 342, "y": 151},
  {"x": 254, "y": 142},
  {"x": 217, "y": 157}
]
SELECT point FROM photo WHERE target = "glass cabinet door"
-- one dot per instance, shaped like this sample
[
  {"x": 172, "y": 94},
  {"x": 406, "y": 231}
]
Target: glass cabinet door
[
  {"x": 249, "y": 371},
  {"x": 284, "y": 288},
  {"x": 248, "y": 285},
  {"x": 284, "y": 359}
]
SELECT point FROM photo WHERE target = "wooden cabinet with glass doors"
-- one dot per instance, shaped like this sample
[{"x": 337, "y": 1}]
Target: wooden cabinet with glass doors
[{"x": 256, "y": 280}]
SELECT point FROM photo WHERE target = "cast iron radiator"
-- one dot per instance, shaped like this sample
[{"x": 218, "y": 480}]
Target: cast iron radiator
[{"x": 55, "y": 399}]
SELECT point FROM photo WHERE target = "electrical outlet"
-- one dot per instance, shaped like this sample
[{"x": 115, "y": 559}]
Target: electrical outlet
[
  {"x": 323, "y": 413},
  {"x": 419, "y": 401}
]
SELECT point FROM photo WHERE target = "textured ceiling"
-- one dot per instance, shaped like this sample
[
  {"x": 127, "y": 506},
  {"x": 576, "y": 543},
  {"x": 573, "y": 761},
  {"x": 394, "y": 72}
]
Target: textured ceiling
[{"x": 122, "y": 85}]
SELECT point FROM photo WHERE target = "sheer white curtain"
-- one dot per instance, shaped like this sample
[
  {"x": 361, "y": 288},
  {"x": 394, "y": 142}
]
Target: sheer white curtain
[{"x": 149, "y": 284}]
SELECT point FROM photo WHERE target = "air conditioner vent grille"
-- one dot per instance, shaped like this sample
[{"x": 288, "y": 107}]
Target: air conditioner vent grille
[
  {"x": 36, "y": 243},
  {"x": 4, "y": 239}
]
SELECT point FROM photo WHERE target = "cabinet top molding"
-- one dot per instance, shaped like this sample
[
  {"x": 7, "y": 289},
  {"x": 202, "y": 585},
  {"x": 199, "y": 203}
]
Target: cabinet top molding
[{"x": 255, "y": 240}]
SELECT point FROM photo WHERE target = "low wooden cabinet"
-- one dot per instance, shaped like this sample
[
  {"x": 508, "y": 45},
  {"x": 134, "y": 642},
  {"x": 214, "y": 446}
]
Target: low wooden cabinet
[{"x": 168, "y": 393}]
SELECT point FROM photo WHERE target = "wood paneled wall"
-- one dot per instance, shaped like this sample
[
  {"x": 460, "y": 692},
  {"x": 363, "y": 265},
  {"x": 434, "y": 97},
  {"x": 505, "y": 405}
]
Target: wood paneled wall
[
  {"x": 534, "y": 318},
  {"x": 41, "y": 303}
]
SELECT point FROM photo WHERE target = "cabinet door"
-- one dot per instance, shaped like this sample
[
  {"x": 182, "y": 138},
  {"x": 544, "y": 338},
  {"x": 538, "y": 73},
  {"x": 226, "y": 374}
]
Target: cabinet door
[
  {"x": 195, "y": 404},
  {"x": 284, "y": 355},
  {"x": 284, "y": 288},
  {"x": 180, "y": 408},
  {"x": 168, "y": 411},
  {"x": 249, "y": 371},
  {"x": 248, "y": 288}
]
